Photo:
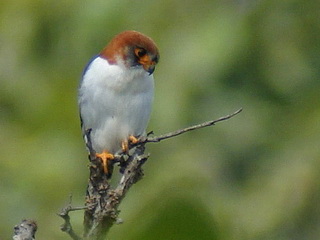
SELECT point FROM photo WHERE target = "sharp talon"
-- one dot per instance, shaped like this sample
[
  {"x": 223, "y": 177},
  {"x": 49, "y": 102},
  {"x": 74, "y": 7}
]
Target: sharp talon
[
  {"x": 133, "y": 139},
  {"x": 125, "y": 146},
  {"x": 105, "y": 156}
]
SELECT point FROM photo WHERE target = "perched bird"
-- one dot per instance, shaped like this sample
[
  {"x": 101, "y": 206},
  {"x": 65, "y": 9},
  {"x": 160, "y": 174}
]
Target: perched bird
[{"x": 116, "y": 94}]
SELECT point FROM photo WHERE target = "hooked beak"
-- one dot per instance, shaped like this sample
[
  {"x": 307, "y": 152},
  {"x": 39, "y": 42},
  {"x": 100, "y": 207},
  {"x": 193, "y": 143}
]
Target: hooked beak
[
  {"x": 148, "y": 64},
  {"x": 150, "y": 69}
]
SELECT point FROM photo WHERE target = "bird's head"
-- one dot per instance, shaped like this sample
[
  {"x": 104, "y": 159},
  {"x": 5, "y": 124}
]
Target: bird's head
[{"x": 133, "y": 49}]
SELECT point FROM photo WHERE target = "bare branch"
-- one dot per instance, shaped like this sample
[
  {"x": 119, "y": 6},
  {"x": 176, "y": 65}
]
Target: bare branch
[
  {"x": 67, "y": 227},
  {"x": 194, "y": 127},
  {"x": 103, "y": 200},
  {"x": 25, "y": 230}
]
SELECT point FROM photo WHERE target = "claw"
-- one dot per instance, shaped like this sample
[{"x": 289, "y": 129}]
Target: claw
[
  {"x": 133, "y": 139},
  {"x": 125, "y": 146},
  {"x": 105, "y": 156},
  {"x": 125, "y": 143}
]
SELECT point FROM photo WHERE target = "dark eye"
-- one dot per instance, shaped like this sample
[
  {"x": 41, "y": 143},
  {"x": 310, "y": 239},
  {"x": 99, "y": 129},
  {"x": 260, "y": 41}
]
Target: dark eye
[{"x": 140, "y": 52}]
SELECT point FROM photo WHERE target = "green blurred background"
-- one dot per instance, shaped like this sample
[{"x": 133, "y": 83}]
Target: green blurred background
[{"x": 255, "y": 176}]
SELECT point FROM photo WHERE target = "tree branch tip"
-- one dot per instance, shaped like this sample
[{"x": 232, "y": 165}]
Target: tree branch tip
[
  {"x": 119, "y": 221},
  {"x": 187, "y": 129},
  {"x": 238, "y": 111},
  {"x": 65, "y": 211},
  {"x": 25, "y": 230},
  {"x": 66, "y": 226},
  {"x": 143, "y": 156}
]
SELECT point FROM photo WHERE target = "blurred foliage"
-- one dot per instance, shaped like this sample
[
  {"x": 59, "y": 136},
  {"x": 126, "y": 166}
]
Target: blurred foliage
[{"x": 253, "y": 177}]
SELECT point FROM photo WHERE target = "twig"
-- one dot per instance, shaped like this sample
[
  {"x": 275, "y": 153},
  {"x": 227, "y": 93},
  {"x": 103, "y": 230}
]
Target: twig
[
  {"x": 102, "y": 200},
  {"x": 105, "y": 200},
  {"x": 25, "y": 230},
  {"x": 67, "y": 227},
  {"x": 194, "y": 127}
]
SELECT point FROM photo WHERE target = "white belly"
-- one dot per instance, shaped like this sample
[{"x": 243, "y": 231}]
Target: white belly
[{"x": 115, "y": 103}]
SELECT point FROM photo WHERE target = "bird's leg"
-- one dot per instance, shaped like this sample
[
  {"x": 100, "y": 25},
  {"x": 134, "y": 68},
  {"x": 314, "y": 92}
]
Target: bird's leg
[
  {"x": 125, "y": 146},
  {"x": 125, "y": 143},
  {"x": 105, "y": 156}
]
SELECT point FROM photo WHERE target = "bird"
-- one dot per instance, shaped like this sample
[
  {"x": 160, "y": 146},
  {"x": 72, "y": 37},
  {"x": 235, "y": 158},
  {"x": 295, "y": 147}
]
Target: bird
[{"x": 116, "y": 93}]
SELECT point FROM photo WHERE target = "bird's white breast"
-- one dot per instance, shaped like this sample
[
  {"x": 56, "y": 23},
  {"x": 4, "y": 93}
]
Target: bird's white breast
[{"x": 115, "y": 102}]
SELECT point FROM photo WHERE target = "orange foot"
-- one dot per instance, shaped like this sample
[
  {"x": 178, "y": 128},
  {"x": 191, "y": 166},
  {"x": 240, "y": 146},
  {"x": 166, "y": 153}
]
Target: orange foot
[
  {"x": 105, "y": 156},
  {"x": 125, "y": 144},
  {"x": 133, "y": 139}
]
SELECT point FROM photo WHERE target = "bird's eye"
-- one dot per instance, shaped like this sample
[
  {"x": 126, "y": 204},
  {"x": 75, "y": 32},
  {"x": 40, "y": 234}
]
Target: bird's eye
[{"x": 140, "y": 52}]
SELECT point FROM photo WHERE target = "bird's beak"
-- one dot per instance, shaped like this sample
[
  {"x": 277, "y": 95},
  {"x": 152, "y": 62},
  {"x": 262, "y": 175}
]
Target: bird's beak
[
  {"x": 147, "y": 64},
  {"x": 150, "y": 69}
]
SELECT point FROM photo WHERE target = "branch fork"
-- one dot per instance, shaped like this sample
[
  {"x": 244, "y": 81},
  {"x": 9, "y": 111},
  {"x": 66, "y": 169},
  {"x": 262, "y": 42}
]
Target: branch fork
[{"x": 102, "y": 200}]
